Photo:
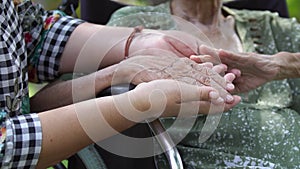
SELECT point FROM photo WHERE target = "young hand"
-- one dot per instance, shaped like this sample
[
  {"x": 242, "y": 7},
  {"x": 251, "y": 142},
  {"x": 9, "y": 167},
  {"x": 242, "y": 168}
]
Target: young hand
[
  {"x": 165, "y": 98},
  {"x": 177, "y": 43}
]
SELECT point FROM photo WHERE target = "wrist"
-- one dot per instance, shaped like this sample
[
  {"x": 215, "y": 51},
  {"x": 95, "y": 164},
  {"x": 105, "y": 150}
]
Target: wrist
[
  {"x": 120, "y": 49},
  {"x": 279, "y": 67},
  {"x": 136, "y": 30},
  {"x": 114, "y": 75},
  {"x": 133, "y": 107},
  {"x": 288, "y": 65},
  {"x": 104, "y": 78}
]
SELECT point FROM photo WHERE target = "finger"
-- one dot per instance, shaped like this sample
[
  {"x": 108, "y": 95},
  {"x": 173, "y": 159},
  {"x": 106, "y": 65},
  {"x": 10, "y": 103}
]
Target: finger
[
  {"x": 229, "y": 77},
  {"x": 204, "y": 58},
  {"x": 201, "y": 58},
  {"x": 220, "y": 86},
  {"x": 206, "y": 75},
  {"x": 224, "y": 94},
  {"x": 220, "y": 68},
  {"x": 213, "y": 76},
  {"x": 237, "y": 100},
  {"x": 200, "y": 107},
  {"x": 196, "y": 59},
  {"x": 206, "y": 107},
  {"x": 230, "y": 57},
  {"x": 205, "y": 50},
  {"x": 236, "y": 72},
  {"x": 209, "y": 108},
  {"x": 199, "y": 93},
  {"x": 207, "y": 64},
  {"x": 225, "y": 53}
]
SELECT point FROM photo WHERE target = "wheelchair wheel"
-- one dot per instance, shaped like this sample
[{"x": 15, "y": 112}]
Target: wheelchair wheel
[
  {"x": 95, "y": 157},
  {"x": 87, "y": 158}
]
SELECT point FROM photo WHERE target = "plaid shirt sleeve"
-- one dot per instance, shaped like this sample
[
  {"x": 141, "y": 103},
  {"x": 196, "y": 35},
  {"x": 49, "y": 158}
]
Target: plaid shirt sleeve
[
  {"x": 26, "y": 30},
  {"x": 23, "y": 142},
  {"x": 53, "y": 46},
  {"x": 46, "y": 34}
]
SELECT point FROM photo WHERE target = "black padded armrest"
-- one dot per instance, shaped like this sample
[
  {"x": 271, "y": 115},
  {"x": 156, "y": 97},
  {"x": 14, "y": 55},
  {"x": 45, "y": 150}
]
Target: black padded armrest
[{"x": 116, "y": 89}]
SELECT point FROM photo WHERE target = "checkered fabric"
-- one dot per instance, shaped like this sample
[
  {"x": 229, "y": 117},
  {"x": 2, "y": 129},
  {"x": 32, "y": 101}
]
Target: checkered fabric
[
  {"x": 12, "y": 60},
  {"x": 23, "y": 142},
  {"x": 53, "y": 47},
  {"x": 29, "y": 37},
  {"x": 49, "y": 32}
]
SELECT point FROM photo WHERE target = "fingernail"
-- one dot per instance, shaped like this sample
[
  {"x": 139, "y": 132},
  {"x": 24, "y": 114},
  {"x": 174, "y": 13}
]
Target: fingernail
[
  {"x": 230, "y": 86},
  {"x": 229, "y": 98},
  {"x": 213, "y": 95},
  {"x": 220, "y": 100}
]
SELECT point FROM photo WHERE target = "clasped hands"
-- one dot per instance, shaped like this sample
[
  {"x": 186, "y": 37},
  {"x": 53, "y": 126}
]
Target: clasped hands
[
  {"x": 251, "y": 69},
  {"x": 174, "y": 81}
]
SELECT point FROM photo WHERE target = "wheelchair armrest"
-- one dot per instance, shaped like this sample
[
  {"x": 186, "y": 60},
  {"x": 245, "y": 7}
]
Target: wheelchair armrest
[{"x": 116, "y": 89}]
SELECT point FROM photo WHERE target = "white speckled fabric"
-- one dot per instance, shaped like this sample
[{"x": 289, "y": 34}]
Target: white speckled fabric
[{"x": 264, "y": 130}]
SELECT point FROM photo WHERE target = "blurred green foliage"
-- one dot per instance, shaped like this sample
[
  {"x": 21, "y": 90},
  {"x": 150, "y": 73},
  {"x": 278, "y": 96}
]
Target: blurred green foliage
[
  {"x": 52, "y": 4},
  {"x": 49, "y": 4},
  {"x": 294, "y": 8}
]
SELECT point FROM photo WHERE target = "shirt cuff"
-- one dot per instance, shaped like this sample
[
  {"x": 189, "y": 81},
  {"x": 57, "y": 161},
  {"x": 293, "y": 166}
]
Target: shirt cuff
[
  {"x": 53, "y": 47},
  {"x": 23, "y": 142}
]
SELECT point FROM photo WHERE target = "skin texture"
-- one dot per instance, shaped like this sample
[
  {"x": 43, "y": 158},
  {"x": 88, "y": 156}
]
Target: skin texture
[
  {"x": 67, "y": 136},
  {"x": 87, "y": 40},
  {"x": 207, "y": 16},
  {"x": 253, "y": 70},
  {"x": 135, "y": 70}
]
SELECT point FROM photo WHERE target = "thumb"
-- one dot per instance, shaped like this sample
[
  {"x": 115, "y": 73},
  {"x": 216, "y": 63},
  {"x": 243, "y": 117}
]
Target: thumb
[
  {"x": 179, "y": 46},
  {"x": 213, "y": 53},
  {"x": 190, "y": 93}
]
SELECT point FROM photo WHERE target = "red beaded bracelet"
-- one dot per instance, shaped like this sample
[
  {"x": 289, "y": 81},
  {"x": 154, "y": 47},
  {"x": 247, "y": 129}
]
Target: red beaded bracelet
[{"x": 136, "y": 29}]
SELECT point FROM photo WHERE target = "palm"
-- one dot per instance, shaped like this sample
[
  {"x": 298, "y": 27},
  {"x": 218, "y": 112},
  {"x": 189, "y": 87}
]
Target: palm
[{"x": 174, "y": 42}]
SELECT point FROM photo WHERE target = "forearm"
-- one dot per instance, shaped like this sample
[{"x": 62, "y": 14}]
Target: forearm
[
  {"x": 91, "y": 47},
  {"x": 63, "y": 93},
  {"x": 289, "y": 65},
  {"x": 71, "y": 128}
]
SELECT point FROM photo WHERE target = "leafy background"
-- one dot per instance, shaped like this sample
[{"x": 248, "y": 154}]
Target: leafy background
[{"x": 294, "y": 8}]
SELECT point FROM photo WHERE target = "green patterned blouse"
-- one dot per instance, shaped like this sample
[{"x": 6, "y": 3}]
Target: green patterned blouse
[{"x": 261, "y": 132}]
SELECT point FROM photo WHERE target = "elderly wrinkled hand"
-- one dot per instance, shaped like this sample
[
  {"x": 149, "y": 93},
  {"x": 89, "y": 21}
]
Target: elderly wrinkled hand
[
  {"x": 146, "y": 68},
  {"x": 251, "y": 70}
]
